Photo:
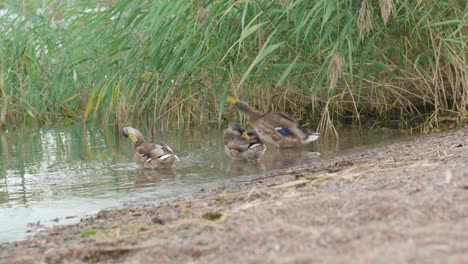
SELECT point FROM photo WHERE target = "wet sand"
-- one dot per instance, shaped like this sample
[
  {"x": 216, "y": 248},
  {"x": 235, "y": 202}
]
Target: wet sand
[{"x": 405, "y": 202}]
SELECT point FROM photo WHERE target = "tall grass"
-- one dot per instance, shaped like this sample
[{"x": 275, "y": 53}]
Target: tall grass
[{"x": 326, "y": 62}]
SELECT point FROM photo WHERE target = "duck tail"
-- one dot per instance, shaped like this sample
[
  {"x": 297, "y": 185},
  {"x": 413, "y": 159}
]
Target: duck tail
[
  {"x": 255, "y": 145},
  {"x": 312, "y": 137},
  {"x": 172, "y": 156}
]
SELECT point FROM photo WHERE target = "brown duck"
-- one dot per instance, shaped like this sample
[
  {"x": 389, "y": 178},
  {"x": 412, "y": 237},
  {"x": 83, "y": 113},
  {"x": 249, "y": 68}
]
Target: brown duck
[
  {"x": 150, "y": 155},
  {"x": 241, "y": 144},
  {"x": 279, "y": 129}
]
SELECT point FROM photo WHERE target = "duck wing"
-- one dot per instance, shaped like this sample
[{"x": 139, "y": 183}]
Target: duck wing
[
  {"x": 254, "y": 138},
  {"x": 285, "y": 125},
  {"x": 154, "y": 150},
  {"x": 235, "y": 142}
]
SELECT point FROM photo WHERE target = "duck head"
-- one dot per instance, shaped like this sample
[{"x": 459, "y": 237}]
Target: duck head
[
  {"x": 237, "y": 129},
  {"x": 134, "y": 135},
  {"x": 242, "y": 106}
]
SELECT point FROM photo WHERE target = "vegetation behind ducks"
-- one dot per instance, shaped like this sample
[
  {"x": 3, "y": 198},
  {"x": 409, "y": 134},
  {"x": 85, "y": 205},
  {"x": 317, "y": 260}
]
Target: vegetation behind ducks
[{"x": 324, "y": 62}]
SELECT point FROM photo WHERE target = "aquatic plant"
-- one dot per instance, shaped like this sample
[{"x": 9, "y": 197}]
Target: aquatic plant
[
  {"x": 176, "y": 61},
  {"x": 88, "y": 233},
  {"x": 212, "y": 216}
]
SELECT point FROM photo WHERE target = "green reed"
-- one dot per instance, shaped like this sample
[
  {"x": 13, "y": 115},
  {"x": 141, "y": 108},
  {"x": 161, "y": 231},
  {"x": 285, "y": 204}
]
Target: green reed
[{"x": 324, "y": 61}]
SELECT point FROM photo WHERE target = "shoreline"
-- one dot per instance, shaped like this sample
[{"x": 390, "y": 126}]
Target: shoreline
[{"x": 407, "y": 201}]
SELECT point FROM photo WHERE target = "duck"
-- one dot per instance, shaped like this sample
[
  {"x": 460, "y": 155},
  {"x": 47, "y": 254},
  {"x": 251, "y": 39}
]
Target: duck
[
  {"x": 279, "y": 129},
  {"x": 150, "y": 155},
  {"x": 241, "y": 144}
]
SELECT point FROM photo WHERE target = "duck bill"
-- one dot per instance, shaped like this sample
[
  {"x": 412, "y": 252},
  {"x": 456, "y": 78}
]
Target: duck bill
[
  {"x": 245, "y": 136},
  {"x": 133, "y": 138},
  {"x": 231, "y": 100}
]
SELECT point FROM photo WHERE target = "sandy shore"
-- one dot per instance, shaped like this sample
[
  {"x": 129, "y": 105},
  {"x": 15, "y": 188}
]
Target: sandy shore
[{"x": 405, "y": 202}]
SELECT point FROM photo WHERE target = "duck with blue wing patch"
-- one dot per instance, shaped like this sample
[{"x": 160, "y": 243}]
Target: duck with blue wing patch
[
  {"x": 283, "y": 131},
  {"x": 279, "y": 129},
  {"x": 150, "y": 155}
]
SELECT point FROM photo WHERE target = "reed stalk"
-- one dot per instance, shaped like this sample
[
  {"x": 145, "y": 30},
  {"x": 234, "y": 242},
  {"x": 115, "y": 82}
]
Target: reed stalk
[{"x": 176, "y": 61}]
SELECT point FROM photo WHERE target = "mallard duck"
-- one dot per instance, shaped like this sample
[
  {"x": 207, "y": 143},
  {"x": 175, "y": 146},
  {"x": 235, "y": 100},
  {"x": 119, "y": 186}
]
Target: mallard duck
[
  {"x": 241, "y": 144},
  {"x": 150, "y": 155},
  {"x": 279, "y": 129}
]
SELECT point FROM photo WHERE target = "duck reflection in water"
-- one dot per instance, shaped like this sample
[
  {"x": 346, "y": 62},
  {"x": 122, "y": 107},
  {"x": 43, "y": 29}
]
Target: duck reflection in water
[
  {"x": 234, "y": 168},
  {"x": 150, "y": 178},
  {"x": 275, "y": 160},
  {"x": 285, "y": 158}
]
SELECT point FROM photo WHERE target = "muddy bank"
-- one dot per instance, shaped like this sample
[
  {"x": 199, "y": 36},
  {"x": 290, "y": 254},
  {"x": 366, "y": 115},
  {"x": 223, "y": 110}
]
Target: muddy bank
[{"x": 406, "y": 202}]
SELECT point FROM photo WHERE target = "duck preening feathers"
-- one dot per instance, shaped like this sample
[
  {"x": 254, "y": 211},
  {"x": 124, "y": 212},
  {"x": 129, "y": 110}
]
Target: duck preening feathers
[
  {"x": 150, "y": 155},
  {"x": 241, "y": 144}
]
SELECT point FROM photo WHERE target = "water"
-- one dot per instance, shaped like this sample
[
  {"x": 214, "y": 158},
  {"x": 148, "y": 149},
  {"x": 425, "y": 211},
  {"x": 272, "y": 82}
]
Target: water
[{"x": 57, "y": 175}]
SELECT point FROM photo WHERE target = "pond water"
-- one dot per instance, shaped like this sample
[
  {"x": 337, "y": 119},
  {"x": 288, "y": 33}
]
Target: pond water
[{"x": 56, "y": 175}]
